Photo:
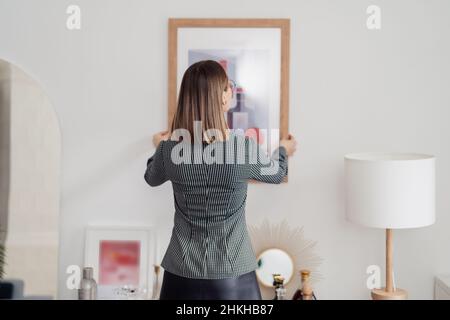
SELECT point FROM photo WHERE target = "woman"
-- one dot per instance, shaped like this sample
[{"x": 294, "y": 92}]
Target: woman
[{"x": 210, "y": 255}]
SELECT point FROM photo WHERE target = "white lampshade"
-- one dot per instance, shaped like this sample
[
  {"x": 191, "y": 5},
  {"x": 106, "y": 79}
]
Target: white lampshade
[{"x": 390, "y": 190}]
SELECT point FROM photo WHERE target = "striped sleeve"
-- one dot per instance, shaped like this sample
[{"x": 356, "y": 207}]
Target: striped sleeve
[
  {"x": 155, "y": 174},
  {"x": 264, "y": 168}
]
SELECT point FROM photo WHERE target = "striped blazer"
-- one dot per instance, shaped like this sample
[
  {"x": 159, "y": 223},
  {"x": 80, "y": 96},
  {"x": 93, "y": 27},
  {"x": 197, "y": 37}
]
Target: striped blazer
[{"x": 209, "y": 238}]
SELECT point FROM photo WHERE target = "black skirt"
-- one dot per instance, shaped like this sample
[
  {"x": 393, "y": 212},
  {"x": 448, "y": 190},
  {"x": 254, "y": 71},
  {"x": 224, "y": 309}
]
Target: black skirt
[{"x": 244, "y": 287}]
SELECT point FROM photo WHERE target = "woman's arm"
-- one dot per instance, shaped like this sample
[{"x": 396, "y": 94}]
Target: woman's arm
[
  {"x": 155, "y": 174},
  {"x": 265, "y": 169}
]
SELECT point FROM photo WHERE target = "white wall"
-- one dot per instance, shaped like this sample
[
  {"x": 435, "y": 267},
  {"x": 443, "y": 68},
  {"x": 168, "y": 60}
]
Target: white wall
[{"x": 351, "y": 90}]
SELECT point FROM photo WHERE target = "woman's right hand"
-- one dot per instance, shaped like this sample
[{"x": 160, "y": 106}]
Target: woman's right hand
[
  {"x": 290, "y": 144},
  {"x": 160, "y": 136}
]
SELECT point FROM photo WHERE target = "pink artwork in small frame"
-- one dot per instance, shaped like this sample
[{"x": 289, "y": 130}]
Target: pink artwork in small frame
[{"x": 119, "y": 262}]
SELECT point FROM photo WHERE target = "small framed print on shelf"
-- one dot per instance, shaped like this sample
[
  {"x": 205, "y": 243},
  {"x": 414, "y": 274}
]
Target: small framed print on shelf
[{"x": 122, "y": 259}]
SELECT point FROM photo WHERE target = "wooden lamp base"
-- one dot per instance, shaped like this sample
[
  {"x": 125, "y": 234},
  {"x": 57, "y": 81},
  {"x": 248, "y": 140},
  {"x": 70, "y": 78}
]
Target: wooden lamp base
[
  {"x": 382, "y": 294},
  {"x": 388, "y": 292}
]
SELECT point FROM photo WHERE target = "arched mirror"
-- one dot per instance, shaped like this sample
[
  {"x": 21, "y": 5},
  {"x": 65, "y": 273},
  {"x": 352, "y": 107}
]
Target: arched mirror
[{"x": 30, "y": 156}]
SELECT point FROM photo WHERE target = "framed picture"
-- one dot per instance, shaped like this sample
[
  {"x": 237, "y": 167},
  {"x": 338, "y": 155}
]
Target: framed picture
[
  {"x": 255, "y": 55},
  {"x": 122, "y": 259}
]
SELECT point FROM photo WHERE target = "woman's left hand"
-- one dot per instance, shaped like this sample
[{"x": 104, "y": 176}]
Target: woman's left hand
[{"x": 160, "y": 136}]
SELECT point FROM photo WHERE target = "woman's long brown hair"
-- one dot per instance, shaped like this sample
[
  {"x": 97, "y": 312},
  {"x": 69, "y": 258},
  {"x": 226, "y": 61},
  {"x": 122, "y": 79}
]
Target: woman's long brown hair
[{"x": 200, "y": 99}]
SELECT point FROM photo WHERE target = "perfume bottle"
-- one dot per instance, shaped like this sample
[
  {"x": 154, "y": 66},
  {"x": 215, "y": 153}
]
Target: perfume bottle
[
  {"x": 281, "y": 293},
  {"x": 88, "y": 286},
  {"x": 280, "y": 290},
  {"x": 305, "y": 291}
]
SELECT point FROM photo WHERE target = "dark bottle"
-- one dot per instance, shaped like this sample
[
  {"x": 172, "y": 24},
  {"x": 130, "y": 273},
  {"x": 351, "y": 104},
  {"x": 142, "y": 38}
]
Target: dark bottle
[
  {"x": 239, "y": 116},
  {"x": 305, "y": 291}
]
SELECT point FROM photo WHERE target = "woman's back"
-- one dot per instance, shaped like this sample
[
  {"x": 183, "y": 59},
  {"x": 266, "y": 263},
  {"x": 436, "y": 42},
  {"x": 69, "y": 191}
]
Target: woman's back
[{"x": 210, "y": 239}]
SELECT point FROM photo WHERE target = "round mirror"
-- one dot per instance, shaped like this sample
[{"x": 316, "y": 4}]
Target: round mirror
[{"x": 273, "y": 261}]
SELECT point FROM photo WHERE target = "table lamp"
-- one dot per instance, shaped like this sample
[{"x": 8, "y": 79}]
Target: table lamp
[{"x": 390, "y": 191}]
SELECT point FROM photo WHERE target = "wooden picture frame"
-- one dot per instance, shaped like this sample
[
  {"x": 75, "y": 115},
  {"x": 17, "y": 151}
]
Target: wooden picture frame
[{"x": 283, "y": 25}]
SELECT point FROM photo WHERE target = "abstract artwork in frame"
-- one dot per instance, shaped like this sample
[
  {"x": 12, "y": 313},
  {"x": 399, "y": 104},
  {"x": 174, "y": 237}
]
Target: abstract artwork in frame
[
  {"x": 121, "y": 258},
  {"x": 255, "y": 56}
]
